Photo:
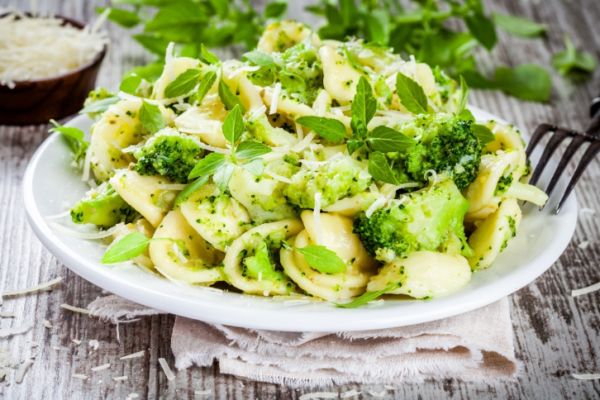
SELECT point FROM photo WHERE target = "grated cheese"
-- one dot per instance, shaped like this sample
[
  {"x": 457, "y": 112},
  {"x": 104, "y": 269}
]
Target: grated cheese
[
  {"x": 132, "y": 396},
  {"x": 101, "y": 367},
  {"x": 76, "y": 341},
  {"x": 585, "y": 290},
  {"x": 94, "y": 344},
  {"x": 7, "y": 315},
  {"x": 586, "y": 377},
  {"x": 47, "y": 324},
  {"x": 584, "y": 245},
  {"x": 75, "y": 309},
  {"x": 166, "y": 369},
  {"x": 317, "y": 217},
  {"x": 41, "y": 48},
  {"x": 133, "y": 355},
  {"x": 318, "y": 396},
  {"x": 275, "y": 98},
  {"x": 83, "y": 377},
  {"x": 46, "y": 286},
  {"x": 120, "y": 378},
  {"x": 22, "y": 370},
  {"x": 349, "y": 393}
]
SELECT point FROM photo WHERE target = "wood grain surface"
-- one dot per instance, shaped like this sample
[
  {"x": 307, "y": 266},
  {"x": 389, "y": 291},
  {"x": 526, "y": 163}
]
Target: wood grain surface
[{"x": 555, "y": 335}]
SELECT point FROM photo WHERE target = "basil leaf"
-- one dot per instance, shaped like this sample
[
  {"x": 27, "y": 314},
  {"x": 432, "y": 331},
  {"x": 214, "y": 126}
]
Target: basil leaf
[
  {"x": 387, "y": 140},
  {"x": 275, "y": 9},
  {"x": 151, "y": 117},
  {"x": 229, "y": 99},
  {"x": 411, "y": 94},
  {"x": 259, "y": 58},
  {"x": 250, "y": 149},
  {"x": 74, "y": 137},
  {"x": 381, "y": 170},
  {"x": 482, "y": 28},
  {"x": 175, "y": 14},
  {"x": 364, "y": 106},
  {"x": 526, "y": 81},
  {"x": 574, "y": 63},
  {"x": 99, "y": 106},
  {"x": 207, "y": 82},
  {"x": 128, "y": 247},
  {"x": 120, "y": 16},
  {"x": 153, "y": 43},
  {"x": 483, "y": 133},
  {"x": 233, "y": 125},
  {"x": 354, "y": 144},
  {"x": 149, "y": 72},
  {"x": 207, "y": 56},
  {"x": 190, "y": 189},
  {"x": 183, "y": 84},
  {"x": 367, "y": 297},
  {"x": 207, "y": 166},
  {"x": 328, "y": 128},
  {"x": 464, "y": 95},
  {"x": 322, "y": 259},
  {"x": 223, "y": 175},
  {"x": 130, "y": 84},
  {"x": 259, "y": 265},
  {"x": 519, "y": 26}
]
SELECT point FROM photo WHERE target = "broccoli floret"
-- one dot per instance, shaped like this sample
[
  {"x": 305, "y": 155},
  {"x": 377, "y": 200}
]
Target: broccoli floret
[
  {"x": 334, "y": 179},
  {"x": 102, "y": 207},
  {"x": 170, "y": 154},
  {"x": 261, "y": 129},
  {"x": 447, "y": 145},
  {"x": 429, "y": 219}
]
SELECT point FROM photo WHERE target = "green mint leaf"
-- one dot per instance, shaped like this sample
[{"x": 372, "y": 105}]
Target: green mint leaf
[
  {"x": 151, "y": 117},
  {"x": 153, "y": 43},
  {"x": 482, "y": 28},
  {"x": 367, "y": 297},
  {"x": 207, "y": 56},
  {"x": 387, "y": 140},
  {"x": 354, "y": 144},
  {"x": 75, "y": 139},
  {"x": 259, "y": 265},
  {"x": 377, "y": 27},
  {"x": 464, "y": 95},
  {"x": 223, "y": 175},
  {"x": 250, "y": 149},
  {"x": 574, "y": 63},
  {"x": 172, "y": 16},
  {"x": 483, "y": 133},
  {"x": 364, "y": 106},
  {"x": 259, "y": 58},
  {"x": 411, "y": 94},
  {"x": 130, "y": 84},
  {"x": 99, "y": 106},
  {"x": 125, "y": 18},
  {"x": 275, "y": 9},
  {"x": 149, "y": 72},
  {"x": 233, "y": 125},
  {"x": 519, "y": 26},
  {"x": 328, "y": 128},
  {"x": 526, "y": 81},
  {"x": 183, "y": 84},
  {"x": 190, "y": 189},
  {"x": 207, "y": 166},
  {"x": 322, "y": 259},
  {"x": 229, "y": 99},
  {"x": 128, "y": 247},
  {"x": 207, "y": 82},
  {"x": 381, "y": 170}
]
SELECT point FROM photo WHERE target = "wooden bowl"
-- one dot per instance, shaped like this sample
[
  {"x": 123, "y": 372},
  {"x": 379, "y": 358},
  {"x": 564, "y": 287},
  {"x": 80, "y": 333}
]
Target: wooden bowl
[{"x": 38, "y": 101}]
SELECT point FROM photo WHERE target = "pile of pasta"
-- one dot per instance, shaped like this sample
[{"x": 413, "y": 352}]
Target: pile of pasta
[{"x": 212, "y": 232}]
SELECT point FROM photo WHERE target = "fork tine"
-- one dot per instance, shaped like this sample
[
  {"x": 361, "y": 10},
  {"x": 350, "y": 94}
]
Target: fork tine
[
  {"x": 569, "y": 152},
  {"x": 551, "y": 146},
  {"x": 540, "y": 131},
  {"x": 588, "y": 156}
]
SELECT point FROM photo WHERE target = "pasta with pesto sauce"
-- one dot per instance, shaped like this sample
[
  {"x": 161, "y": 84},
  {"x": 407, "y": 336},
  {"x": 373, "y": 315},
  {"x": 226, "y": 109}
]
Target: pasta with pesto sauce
[{"x": 316, "y": 167}]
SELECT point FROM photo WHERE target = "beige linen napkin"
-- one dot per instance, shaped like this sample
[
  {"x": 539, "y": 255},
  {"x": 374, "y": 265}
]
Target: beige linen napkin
[{"x": 474, "y": 346}]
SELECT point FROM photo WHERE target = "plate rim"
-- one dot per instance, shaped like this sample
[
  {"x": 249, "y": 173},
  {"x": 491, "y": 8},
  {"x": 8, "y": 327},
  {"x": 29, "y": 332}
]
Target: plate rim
[{"x": 268, "y": 319}]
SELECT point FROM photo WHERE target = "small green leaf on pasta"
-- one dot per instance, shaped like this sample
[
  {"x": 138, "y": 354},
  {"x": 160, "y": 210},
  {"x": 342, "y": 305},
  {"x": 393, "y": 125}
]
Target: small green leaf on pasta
[
  {"x": 483, "y": 133},
  {"x": 183, "y": 84},
  {"x": 151, "y": 117},
  {"x": 387, "y": 140},
  {"x": 233, "y": 125},
  {"x": 367, "y": 297},
  {"x": 207, "y": 56},
  {"x": 322, "y": 259},
  {"x": 128, "y": 247},
  {"x": 207, "y": 82},
  {"x": 411, "y": 94},
  {"x": 190, "y": 189},
  {"x": 381, "y": 170},
  {"x": 328, "y": 128},
  {"x": 229, "y": 99},
  {"x": 207, "y": 166}
]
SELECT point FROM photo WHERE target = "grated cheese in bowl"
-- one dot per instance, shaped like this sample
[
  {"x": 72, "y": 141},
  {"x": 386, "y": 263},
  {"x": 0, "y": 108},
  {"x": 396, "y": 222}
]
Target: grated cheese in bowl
[{"x": 36, "y": 48}]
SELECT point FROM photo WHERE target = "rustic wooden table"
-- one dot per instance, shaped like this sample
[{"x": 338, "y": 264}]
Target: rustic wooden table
[{"x": 555, "y": 334}]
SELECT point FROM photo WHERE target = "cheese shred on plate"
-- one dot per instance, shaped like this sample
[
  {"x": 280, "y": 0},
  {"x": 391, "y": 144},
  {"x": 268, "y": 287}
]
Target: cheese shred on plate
[{"x": 44, "y": 47}]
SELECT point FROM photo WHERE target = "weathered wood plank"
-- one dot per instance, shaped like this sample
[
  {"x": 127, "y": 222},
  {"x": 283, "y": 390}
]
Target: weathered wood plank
[{"x": 555, "y": 335}]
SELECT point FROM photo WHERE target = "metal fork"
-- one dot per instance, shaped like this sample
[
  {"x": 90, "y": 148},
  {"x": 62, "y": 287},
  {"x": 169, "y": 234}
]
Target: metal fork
[{"x": 591, "y": 135}]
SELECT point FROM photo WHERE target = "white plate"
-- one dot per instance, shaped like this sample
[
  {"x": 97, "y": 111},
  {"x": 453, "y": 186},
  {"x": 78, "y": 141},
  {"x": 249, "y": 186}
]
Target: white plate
[{"x": 51, "y": 186}]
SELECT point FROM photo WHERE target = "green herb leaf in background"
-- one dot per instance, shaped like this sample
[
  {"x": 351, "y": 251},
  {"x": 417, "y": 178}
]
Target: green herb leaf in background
[
  {"x": 387, "y": 140},
  {"x": 482, "y": 28},
  {"x": 207, "y": 166},
  {"x": 519, "y": 26},
  {"x": 130, "y": 84},
  {"x": 322, "y": 259},
  {"x": 275, "y": 9},
  {"x": 525, "y": 81},
  {"x": 411, "y": 94},
  {"x": 381, "y": 170},
  {"x": 183, "y": 84},
  {"x": 573, "y": 63},
  {"x": 151, "y": 117},
  {"x": 328, "y": 128},
  {"x": 229, "y": 99},
  {"x": 126, "y": 248},
  {"x": 207, "y": 82},
  {"x": 233, "y": 125},
  {"x": 259, "y": 58},
  {"x": 120, "y": 16}
]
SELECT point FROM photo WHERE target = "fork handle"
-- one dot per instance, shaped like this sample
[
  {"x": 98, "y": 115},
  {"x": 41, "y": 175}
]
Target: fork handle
[{"x": 593, "y": 127}]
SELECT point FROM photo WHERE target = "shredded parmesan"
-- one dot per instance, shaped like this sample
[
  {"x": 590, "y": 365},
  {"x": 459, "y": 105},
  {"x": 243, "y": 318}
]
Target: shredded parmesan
[
  {"x": 275, "y": 98},
  {"x": 317, "y": 217},
  {"x": 133, "y": 355},
  {"x": 7, "y": 315},
  {"x": 75, "y": 309},
  {"x": 22, "y": 370},
  {"x": 349, "y": 393},
  {"x": 587, "y": 210},
  {"x": 318, "y": 396},
  {"x": 47, "y": 324},
  {"x": 43, "y": 47},
  {"x": 76, "y": 341},
  {"x": 132, "y": 396},
  {"x": 38, "y": 288},
  {"x": 585, "y": 290},
  {"x": 120, "y": 378},
  {"x": 83, "y": 377},
  {"x": 94, "y": 344},
  {"x": 376, "y": 205},
  {"x": 586, "y": 377},
  {"x": 166, "y": 369},
  {"x": 101, "y": 367}
]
